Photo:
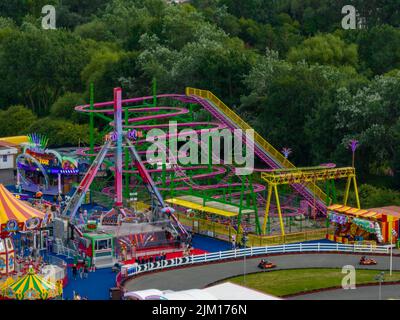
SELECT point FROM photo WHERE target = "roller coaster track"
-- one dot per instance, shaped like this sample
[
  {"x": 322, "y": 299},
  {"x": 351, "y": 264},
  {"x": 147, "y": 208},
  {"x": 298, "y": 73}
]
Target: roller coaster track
[{"x": 273, "y": 158}]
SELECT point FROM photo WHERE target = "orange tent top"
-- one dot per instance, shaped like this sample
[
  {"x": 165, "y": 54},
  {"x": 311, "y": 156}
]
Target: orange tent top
[
  {"x": 355, "y": 212},
  {"x": 13, "y": 209}
]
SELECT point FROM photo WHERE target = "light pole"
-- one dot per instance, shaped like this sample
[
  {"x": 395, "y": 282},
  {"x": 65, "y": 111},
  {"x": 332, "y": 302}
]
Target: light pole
[
  {"x": 380, "y": 277},
  {"x": 353, "y": 144},
  {"x": 244, "y": 239},
  {"x": 392, "y": 234}
]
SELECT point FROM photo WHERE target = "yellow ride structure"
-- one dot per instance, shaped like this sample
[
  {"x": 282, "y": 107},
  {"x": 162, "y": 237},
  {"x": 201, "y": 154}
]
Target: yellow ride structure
[{"x": 305, "y": 176}]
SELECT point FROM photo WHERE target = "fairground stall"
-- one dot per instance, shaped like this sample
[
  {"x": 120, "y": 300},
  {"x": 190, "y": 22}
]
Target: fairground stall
[
  {"x": 45, "y": 170},
  {"x": 24, "y": 226},
  {"x": 358, "y": 225}
]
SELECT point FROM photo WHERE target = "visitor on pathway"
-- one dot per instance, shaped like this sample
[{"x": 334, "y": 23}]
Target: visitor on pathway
[
  {"x": 85, "y": 271},
  {"x": 74, "y": 271}
]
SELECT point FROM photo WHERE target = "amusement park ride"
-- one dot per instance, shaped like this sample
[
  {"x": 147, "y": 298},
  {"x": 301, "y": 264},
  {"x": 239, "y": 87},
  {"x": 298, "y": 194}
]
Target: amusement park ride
[
  {"x": 209, "y": 191},
  {"x": 45, "y": 170}
]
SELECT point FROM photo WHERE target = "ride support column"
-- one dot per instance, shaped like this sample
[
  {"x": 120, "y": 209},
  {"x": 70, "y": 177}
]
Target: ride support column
[{"x": 118, "y": 149}]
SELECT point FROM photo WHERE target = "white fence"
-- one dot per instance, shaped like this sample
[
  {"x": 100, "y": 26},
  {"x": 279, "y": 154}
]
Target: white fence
[{"x": 133, "y": 269}]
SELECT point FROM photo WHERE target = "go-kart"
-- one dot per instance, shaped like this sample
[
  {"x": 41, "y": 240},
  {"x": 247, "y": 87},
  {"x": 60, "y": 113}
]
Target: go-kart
[
  {"x": 367, "y": 262},
  {"x": 266, "y": 265}
]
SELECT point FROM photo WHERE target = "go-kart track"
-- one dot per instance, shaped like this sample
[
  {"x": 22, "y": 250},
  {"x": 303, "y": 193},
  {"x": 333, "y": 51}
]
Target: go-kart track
[{"x": 206, "y": 274}]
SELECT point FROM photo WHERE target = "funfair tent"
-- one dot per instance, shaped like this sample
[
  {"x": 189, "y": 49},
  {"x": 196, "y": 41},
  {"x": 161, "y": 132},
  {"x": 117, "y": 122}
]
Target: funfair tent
[
  {"x": 14, "y": 211},
  {"x": 32, "y": 287}
]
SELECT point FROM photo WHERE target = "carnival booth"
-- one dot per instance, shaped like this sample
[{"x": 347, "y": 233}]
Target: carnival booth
[
  {"x": 353, "y": 225},
  {"x": 32, "y": 287},
  {"x": 18, "y": 218}
]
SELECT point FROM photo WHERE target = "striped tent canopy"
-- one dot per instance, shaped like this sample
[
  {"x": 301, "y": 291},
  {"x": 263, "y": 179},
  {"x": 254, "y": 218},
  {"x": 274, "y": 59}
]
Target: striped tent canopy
[
  {"x": 358, "y": 213},
  {"x": 13, "y": 209},
  {"x": 31, "y": 287},
  {"x": 6, "y": 283}
]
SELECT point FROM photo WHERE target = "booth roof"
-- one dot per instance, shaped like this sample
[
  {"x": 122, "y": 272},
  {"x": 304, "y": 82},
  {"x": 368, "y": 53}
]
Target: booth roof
[
  {"x": 13, "y": 209},
  {"x": 393, "y": 211},
  {"x": 362, "y": 213}
]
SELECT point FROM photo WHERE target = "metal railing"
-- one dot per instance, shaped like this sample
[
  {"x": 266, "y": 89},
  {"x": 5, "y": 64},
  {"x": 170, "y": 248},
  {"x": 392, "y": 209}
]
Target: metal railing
[
  {"x": 131, "y": 270},
  {"x": 226, "y": 231},
  {"x": 60, "y": 249}
]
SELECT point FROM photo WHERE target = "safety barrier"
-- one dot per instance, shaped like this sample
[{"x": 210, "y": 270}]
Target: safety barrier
[
  {"x": 308, "y": 235},
  {"x": 206, "y": 227},
  {"x": 131, "y": 270},
  {"x": 225, "y": 232}
]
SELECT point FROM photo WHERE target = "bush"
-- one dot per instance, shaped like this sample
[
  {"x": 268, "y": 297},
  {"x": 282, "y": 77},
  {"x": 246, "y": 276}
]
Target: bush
[
  {"x": 61, "y": 132},
  {"x": 15, "y": 121},
  {"x": 64, "y": 107},
  {"x": 371, "y": 197}
]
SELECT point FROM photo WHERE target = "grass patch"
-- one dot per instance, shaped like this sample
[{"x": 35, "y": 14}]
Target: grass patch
[{"x": 285, "y": 282}]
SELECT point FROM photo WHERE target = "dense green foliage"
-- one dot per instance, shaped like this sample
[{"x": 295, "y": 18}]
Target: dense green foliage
[{"x": 286, "y": 66}]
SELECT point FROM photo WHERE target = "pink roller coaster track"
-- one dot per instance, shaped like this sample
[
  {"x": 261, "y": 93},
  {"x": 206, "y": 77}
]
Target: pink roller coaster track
[{"x": 162, "y": 113}]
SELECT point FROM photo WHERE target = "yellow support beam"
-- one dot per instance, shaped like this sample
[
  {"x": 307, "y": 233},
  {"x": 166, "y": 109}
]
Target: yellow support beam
[
  {"x": 306, "y": 175},
  {"x": 356, "y": 192},
  {"x": 267, "y": 206},
  {"x": 278, "y": 205},
  {"x": 347, "y": 190}
]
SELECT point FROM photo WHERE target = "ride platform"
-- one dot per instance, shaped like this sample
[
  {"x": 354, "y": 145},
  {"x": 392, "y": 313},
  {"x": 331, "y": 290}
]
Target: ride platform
[{"x": 214, "y": 207}]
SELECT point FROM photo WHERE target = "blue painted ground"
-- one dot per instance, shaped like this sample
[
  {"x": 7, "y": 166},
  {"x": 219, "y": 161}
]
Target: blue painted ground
[
  {"x": 95, "y": 287},
  {"x": 210, "y": 244}
]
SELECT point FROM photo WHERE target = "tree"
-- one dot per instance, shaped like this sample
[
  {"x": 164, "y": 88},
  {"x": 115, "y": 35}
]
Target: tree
[
  {"x": 379, "y": 49},
  {"x": 47, "y": 64},
  {"x": 61, "y": 132},
  {"x": 292, "y": 105},
  {"x": 64, "y": 107},
  {"x": 325, "y": 49},
  {"x": 14, "y": 9},
  {"x": 371, "y": 116},
  {"x": 15, "y": 121}
]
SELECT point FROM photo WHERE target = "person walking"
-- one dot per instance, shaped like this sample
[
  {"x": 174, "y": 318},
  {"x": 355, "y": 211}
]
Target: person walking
[
  {"x": 85, "y": 271},
  {"x": 74, "y": 271}
]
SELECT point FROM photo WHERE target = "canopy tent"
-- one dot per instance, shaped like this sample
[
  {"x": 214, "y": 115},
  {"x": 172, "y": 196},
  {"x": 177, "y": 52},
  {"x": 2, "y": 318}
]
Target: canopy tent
[
  {"x": 359, "y": 213},
  {"x": 17, "y": 211},
  {"x": 32, "y": 287},
  {"x": 214, "y": 207}
]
